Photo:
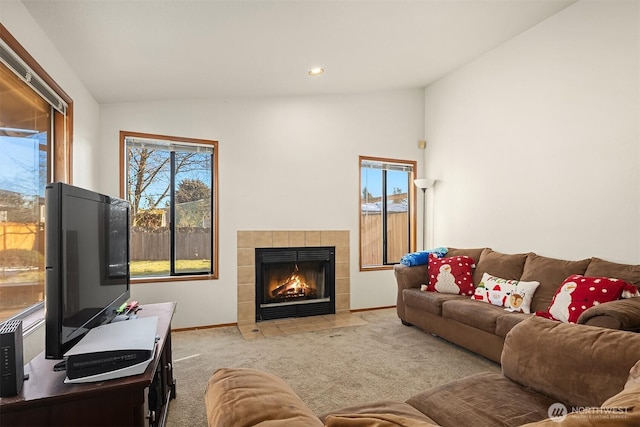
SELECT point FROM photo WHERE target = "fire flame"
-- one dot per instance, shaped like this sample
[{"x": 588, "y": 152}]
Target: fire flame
[{"x": 292, "y": 286}]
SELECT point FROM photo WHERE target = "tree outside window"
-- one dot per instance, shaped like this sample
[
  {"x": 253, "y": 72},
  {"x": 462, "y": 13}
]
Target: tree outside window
[
  {"x": 171, "y": 186},
  {"x": 387, "y": 215}
]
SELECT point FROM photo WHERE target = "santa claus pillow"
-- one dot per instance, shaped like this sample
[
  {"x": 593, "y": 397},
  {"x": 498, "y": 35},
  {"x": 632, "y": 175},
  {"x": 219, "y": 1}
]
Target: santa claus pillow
[
  {"x": 514, "y": 295},
  {"x": 578, "y": 293},
  {"x": 452, "y": 275}
]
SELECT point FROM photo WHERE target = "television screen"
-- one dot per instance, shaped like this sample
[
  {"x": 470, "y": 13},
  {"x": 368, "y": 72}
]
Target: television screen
[{"x": 87, "y": 263}]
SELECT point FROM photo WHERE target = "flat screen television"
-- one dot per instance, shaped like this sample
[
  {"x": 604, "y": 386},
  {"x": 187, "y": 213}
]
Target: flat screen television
[{"x": 86, "y": 263}]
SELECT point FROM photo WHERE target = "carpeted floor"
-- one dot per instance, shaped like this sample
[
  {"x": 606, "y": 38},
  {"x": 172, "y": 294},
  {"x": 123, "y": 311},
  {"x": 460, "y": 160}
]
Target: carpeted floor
[{"x": 328, "y": 369}]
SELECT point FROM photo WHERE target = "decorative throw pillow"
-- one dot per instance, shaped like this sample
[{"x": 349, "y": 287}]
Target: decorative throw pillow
[
  {"x": 453, "y": 275},
  {"x": 577, "y": 293},
  {"x": 515, "y": 295}
]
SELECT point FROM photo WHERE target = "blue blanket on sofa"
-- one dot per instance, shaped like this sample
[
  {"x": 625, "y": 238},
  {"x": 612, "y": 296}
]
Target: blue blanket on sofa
[{"x": 422, "y": 257}]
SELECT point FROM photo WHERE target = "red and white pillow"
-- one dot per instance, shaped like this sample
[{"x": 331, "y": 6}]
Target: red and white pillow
[
  {"x": 578, "y": 293},
  {"x": 514, "y": 295},
  {"x": 452, "y": 275}
]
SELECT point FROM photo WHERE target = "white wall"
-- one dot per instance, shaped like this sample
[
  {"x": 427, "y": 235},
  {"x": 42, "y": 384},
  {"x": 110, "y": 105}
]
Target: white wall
[
  {"x": 285, "y": 164},
  {"x": 536, "y": 144}
]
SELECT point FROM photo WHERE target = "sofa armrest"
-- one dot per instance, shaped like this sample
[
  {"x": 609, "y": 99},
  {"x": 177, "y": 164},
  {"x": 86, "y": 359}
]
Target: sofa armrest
[
  {"x": 407, "y": 278},
  {"x": 620, "y": 314},
  {"x": 248, "y": 397},
  {"x": 544, "y": 354},
  {"x": 410, "y": 277}
]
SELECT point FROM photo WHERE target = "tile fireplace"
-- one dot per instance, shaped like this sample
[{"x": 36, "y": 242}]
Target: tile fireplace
[{"x": 249, "y": 240}]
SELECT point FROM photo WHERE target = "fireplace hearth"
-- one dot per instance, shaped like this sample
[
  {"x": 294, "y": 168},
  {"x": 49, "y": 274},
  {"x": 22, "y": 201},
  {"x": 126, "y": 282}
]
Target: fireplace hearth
[{"x": 294, "y": 282}]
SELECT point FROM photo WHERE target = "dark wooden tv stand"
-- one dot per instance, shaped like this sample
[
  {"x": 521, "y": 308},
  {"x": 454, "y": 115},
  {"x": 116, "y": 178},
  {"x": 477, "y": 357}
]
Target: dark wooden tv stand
[{"x": 140, "y": 400}]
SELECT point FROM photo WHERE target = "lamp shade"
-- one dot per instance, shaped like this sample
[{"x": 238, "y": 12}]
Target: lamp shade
[{"x": 424, "y": 183}]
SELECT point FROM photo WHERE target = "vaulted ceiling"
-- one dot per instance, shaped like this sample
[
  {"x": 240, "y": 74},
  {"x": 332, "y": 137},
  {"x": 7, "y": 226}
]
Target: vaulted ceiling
[{"x": 147, "y": 50}]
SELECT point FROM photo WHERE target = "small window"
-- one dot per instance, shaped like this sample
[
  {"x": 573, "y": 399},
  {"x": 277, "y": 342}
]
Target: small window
[
  {"x": 170, "y": 183},
  {"x": 386, "y": 211}
]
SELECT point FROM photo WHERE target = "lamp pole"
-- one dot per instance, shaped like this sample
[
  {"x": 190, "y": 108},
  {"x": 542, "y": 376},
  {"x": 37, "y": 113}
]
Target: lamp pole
[
  {"x": 423, "y": 184},
  {"x": 424, "y": 216}
]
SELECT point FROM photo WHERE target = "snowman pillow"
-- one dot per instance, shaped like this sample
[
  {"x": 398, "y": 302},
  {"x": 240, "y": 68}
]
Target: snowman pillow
[
  {"x": 451, "y": 275},
  {"x": 514, "y": 295},
  {"x": 578, "y": 293}
]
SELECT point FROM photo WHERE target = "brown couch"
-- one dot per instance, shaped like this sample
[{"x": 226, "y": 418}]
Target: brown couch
[
  {"x": 482, "y": 327},
  {"x": 548, "y": 369}
]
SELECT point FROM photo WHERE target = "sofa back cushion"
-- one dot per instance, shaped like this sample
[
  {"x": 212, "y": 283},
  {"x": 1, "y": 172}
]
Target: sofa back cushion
[
  {"x": 505, "y": 266},
  {"x": 601, "y": 268},
  {"x": 580, "y": 366},
  {"x": 550, "y": 272},
  {"x": 471, "y": 253},
  {"x": 248, "y": 397}
]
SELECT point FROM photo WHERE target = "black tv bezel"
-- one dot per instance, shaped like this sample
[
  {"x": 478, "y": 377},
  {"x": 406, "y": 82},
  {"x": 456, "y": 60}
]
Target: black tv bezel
[{"x": 55, "y": 348}]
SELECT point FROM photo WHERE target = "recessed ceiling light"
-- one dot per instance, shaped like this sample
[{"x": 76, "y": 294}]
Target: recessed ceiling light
[{"x": 316, "y": 71}]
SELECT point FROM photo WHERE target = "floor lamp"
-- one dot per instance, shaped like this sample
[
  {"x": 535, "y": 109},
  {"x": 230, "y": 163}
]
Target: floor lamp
[{"x": 423, "y": 184}]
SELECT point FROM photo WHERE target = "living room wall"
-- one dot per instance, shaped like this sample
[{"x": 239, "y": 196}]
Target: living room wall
[
  {"x": 284, "y": 164},
  {"x": 536, "y": 143}
]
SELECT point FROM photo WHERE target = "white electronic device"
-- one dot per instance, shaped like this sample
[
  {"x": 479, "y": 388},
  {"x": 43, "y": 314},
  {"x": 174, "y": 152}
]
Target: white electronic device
[{"x": 114, "y": 350}]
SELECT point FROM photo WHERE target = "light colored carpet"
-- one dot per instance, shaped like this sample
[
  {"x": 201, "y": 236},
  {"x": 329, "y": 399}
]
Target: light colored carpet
[{"x": 328, "y": 369}]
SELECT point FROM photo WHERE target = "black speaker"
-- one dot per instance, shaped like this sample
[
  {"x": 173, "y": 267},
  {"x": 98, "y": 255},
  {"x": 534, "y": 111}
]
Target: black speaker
[{"x": 11, "y": 361}]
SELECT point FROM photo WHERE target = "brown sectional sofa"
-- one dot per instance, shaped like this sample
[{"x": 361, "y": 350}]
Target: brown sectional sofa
[
  {"x": 547, "y": 367},
  {"x": 481, "y": 327}
]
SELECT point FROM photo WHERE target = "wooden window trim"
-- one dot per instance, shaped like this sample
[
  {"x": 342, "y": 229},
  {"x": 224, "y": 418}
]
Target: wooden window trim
[
  {"x": 412, "y": 213},
  {"x": 60, "y": 155},
  {"x": 63, "y": 125},
  {"x": 214, "y": 208}
]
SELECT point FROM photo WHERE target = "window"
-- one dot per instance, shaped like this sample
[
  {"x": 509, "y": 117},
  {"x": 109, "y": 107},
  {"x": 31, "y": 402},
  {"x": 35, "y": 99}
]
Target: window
[
  {"x": 387, "y": 213},
  {"x": 34, "y": 141},
  {"x": 171, "y": 185}
]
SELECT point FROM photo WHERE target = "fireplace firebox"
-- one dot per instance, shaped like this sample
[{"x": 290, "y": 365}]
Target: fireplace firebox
[{"x": 295, "y": 282}]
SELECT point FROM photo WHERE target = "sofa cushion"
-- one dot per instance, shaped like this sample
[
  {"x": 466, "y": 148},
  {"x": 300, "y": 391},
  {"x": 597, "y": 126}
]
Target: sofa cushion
[
  {"x": 451, "y": 275},
  {"x": 620, "y": 314},
  {"x": 507, "y": 266},
  {"x": 384, "y": 408},
  {"x": 374, "y": 420},
  {"x": 471, "y": 253},
  {"x": 428, "y": 301},
  {"x": 629, "y": 397},
  {"x": 486, "y": 399},
  {"x": 516, "y": 295},
  {"x": 473, "y": 313},
  {"x": 507, "y": 321},
  {"x": 579, "y": 293},
  {"x": 580, "y": 370},
  {"x": 601, "y": 268},
  {"x": 248, "y": 397},
  {"x": 550, "y": 272}
]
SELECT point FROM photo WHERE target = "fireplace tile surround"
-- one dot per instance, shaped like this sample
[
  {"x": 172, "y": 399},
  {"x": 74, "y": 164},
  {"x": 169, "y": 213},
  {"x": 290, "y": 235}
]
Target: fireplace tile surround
[{"x": 249, "y": 240}]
